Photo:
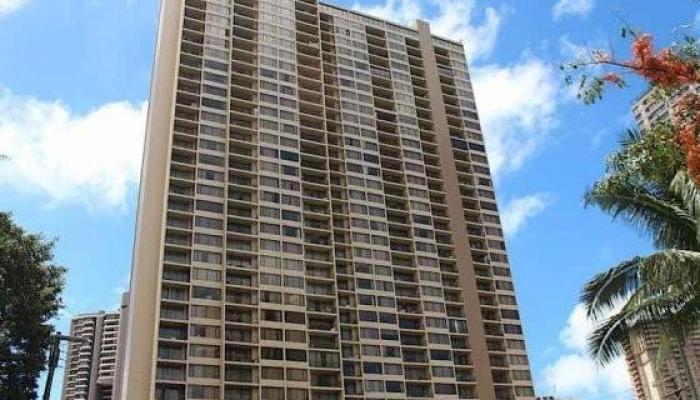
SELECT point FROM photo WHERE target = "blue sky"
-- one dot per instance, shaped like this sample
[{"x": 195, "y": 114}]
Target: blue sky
[{"x": 74, "y": 78}]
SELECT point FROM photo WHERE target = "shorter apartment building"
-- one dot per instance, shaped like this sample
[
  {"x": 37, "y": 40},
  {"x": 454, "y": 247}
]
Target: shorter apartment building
[
  {"x": 91, "y": 369},
  {"x": 651, "y": 107},
  {"x": 671, "y": 376}
]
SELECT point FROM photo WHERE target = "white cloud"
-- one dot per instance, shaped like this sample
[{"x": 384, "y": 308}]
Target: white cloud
[
  {"x": 10, "y": 6},
  {"x": 575, "y": 374},
  {"x": 580, "y": 8},
  {"x": 453, "y": 19},
  {"x": 91, "y": 159},
  {"x": 518, "y": 211},
  {"x": 517, "y": 106},
  {"x": 399, "y": 11}
]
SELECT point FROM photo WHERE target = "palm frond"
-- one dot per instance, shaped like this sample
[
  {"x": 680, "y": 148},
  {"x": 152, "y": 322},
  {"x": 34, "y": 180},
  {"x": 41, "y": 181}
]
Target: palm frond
[
  {"x": 686, "y": 189},
  {"x": 608, "y": 288},
  {"x": 665, "y": 221},
  {"x": 628, "y": 138},
  {"x": 607, "y": 341},
  {"x": 671, "y": 271}
]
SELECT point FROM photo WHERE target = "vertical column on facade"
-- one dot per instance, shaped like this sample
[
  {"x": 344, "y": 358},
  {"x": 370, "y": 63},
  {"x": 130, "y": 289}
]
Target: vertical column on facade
[
  {"x": 173, "y": 309},
  {"x": 477, "y": 242},
  {"x": 241, "y": 314},
  {"x": 193, "y": 289},
  {"x": 342, "y": 236},
  {"x": 506, "y": 348},
  {"x": 321, "y": 197},
  {"x": 377, "y": 354},
  {"x": 467, "y": 280},
  {"x": 438, "y": 276},
  {"x": 397, "y": 188},
  {"x": 153, "y": 219},
  {"x": 444, "y": 272}
]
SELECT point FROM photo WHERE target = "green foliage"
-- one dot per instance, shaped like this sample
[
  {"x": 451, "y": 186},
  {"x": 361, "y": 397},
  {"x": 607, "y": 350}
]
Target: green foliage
[
  {"x": 647, "y": 187},
  {"x": 637, "y": 188},
  {"x": 30, "y": 297}
]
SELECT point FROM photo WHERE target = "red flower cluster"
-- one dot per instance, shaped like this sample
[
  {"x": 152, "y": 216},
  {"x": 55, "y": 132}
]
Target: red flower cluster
[
  {"x": 612, "y": 78},
  {"x": 663, "y": 68},
  {"x": 687, "y": 121}
]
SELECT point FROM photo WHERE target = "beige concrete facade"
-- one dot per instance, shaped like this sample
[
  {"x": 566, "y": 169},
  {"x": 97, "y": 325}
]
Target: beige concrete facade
[{"x": 317, "y": 219}]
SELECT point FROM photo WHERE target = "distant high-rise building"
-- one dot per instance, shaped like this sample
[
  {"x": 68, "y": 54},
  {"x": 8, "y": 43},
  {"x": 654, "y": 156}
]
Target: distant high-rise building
[
  {"x": 652, "y": 107},
  {"x": 91, "y": 369},
  {"x": 317, "y": 218},
  {"x": 665, "y": 378}
]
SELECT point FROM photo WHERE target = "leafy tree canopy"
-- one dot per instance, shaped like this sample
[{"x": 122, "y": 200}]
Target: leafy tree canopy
[{"x": 30, "y": 297}]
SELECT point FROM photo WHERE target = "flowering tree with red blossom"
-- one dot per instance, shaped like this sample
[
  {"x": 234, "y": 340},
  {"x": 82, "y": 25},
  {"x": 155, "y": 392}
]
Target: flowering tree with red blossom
[
  {"x": 666, "y": 71},
  {"x": 653, "y": 183}
]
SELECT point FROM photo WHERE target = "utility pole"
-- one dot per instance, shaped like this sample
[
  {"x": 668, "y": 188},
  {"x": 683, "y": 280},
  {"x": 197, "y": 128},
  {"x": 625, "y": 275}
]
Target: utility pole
[{"x": 54, "y": 355}]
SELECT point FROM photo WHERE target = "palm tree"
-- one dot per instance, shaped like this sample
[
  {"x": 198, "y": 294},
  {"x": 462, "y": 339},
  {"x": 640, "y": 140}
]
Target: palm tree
[{"x": 647, "y": 187}]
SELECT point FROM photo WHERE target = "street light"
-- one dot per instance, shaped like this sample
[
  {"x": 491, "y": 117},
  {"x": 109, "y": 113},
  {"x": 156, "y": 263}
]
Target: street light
[{"x": 55, "y": 354}]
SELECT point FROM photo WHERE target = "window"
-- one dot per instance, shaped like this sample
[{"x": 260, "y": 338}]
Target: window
[
  {"x": 368, "y": 316},
  {"x": 271, "y": 353},
  {"x": 374, "y": 386},
  {"x": 295, "y": 336},
  {"x": 518, "y": 359},
  {"x": 206, "y": 275},
  {"x": 209, "y": 206},
  {"x": 203, "y": 392},
  {"x": 295, "y": 355},
  {"x": 296, "y": 374},
  {"x": 369, "y": 350},
  {"x": 294, "y": 281},
  {"x": 209, "y": 223},
  {"x": 212, "y": 145},
  {"x": 210, "y": 175},
  {"x": 271, "y": 297},
  {"x": 294, "y": 317},
  {"x": 271, "y": 334},
  {"x": 205, "y": 293},
  {"x": 443, "y": 388},
  {"x": 294, "y": 299},
  {"x": 393, "y": 369},
  {"x": 204, "y": 351},
  {"x": 206, "y": 331},
  {"x": 271, "y": 315},
  {"x": 204, "y": 371},
  {"x": 270, "y": 373},
  {"x": 443, "y": 372},
  {"x": 512, "y": 329},
  {"x": 208, "y": 312},
  {"x": 268, "y": 393},
  {"x": 210, "y": 190},
  {"x": 208, "y": 240},
  {"x": 289, "y": 156},
  {"x": 291, "y": 215}
]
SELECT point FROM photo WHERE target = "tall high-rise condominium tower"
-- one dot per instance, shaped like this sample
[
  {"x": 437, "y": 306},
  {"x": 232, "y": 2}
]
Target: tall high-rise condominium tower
[
  {"x": 90, "y": 369},
  {"x": 317, "y": 219}
]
